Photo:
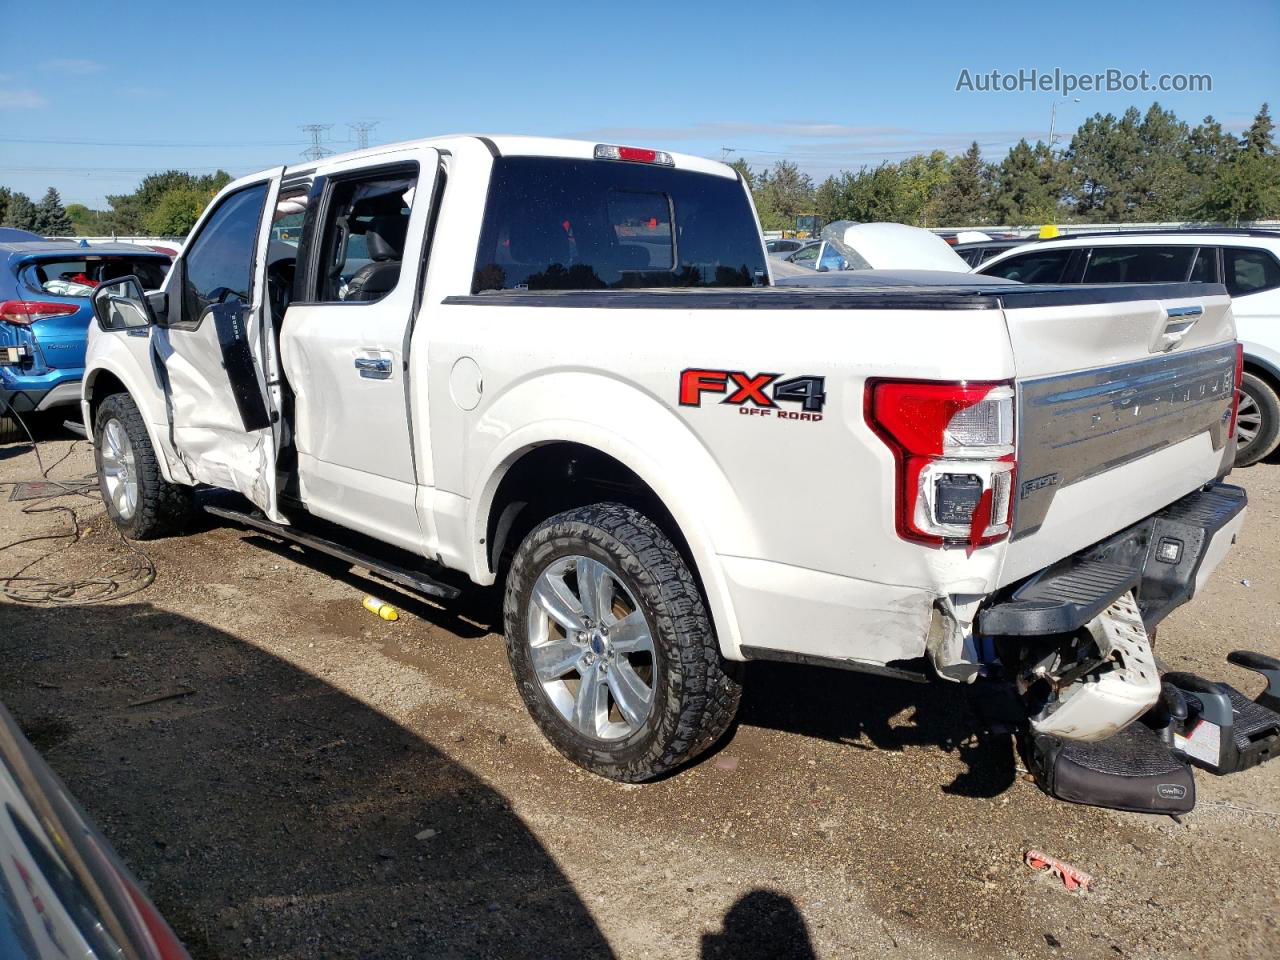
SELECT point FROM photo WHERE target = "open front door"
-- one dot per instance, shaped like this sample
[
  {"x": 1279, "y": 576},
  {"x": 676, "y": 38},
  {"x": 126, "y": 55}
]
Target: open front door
[{"x": 215, "y": 345}]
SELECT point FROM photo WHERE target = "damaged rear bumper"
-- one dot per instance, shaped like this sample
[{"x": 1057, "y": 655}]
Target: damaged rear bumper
[{"x": 1164, "y": 559}]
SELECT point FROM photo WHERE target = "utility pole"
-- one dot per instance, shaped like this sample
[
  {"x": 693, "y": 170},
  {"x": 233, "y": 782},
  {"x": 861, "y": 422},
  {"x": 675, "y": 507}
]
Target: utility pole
[
  {"x": 1053, "y": 117},
  {"x": 361, "y": 129},
  {"x": 724, "y": 153},
  {"x": 317, "y": 132}
]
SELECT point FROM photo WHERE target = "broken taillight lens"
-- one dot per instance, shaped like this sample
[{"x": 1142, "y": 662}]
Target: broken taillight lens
[{"x": 953, "y": 444}]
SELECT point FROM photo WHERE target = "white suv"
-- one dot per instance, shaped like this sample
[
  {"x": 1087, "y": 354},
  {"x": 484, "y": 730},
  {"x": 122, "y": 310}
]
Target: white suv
[{"x": 1246, "y": 261}]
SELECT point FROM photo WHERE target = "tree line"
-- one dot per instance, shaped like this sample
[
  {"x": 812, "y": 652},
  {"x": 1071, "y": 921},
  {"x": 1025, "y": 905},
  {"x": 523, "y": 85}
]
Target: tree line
[
  {"x": 1133, "y": 168},
  {"x": 164, "y": 205}
]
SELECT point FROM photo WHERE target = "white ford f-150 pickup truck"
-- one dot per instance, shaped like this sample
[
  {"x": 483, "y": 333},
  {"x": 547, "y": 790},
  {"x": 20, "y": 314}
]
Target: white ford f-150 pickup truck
[{"x": 562, "y": 367}]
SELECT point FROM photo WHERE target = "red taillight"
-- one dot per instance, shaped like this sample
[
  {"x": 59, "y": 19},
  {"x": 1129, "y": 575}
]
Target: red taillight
[
  {"x": 954, "y": 448},
  {"x": 26, "y": 312},
  {"x": 1235, "y": 398},
  {"x": 607, "y": 151}
]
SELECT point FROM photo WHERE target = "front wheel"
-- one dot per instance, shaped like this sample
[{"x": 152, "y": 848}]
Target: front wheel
[
  {"x": 1258, "y": 420},
  {"x": 611, "y": 645},
  {"x": 140, "y": 502}
]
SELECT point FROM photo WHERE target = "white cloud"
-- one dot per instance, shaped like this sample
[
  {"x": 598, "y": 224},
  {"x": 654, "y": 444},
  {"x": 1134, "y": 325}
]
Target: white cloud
[
  {"x": 71, "y": 65},
  {"x": 21, "y": 100}
]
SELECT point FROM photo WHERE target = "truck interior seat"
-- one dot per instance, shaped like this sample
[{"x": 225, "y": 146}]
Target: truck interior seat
[{"x": 385, "y": 239}]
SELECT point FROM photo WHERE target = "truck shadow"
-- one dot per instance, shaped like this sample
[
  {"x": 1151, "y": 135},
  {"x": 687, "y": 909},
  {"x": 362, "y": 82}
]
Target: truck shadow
[
  {"x": 875, "y": 713},
  {"x": 270, "y": 814}
]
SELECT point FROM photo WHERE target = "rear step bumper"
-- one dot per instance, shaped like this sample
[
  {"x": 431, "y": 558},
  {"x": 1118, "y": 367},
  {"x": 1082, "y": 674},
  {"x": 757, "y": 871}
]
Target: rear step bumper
[{"x": 1164, "y": 559}]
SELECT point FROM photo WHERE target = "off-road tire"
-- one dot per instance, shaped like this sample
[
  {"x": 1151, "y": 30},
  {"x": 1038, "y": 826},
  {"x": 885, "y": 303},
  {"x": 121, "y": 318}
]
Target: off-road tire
[
  {"x": 164, "y": 509},
  {"x": 696, "y": 691},
  {"x": 1264, "y": 395}
]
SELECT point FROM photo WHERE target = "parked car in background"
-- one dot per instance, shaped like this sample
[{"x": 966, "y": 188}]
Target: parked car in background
[
  {"x": 980, "y": 251},
  {"x": 63, "y": 891},
  {"x": 847, "y": 246},
  {"x": 1247, "y": 262},
  {"x": 14, "y": 235},
  {"x": 45, "y": 312},
  {"x": 782, "y": 247}
]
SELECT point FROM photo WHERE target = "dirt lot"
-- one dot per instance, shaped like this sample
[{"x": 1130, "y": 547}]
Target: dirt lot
[{"x": 337, "y": 786}]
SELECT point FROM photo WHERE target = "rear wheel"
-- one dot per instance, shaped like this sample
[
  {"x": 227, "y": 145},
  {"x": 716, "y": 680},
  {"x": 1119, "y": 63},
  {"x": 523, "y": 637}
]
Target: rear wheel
[
  {"x": 140, "y": 502},
  {"x": 1258, "y": 422},
  {"x": 10, "y": 429},
  {"x": 611, "y": 645}
]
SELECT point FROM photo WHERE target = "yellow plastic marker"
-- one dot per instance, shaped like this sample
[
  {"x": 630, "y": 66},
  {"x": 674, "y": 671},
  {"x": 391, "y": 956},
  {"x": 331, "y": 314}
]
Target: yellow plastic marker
[
  {"x": 385, "y": 610},
  {"x": 1049, "y": 231}
]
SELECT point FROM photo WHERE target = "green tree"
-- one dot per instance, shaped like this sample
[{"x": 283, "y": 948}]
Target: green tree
[
  {"x": 966, "y": 199},
  {"x": 1028, "y": 185},
  {"x": 782, "y": 194},
  {"x": 176, "y": 212},
  {"x": 1209, "y": 147},
  {"x": 1101, "y": 159},
  {"x": 20, "y": 212},
  {"x": 5, "y": 194},
  {"x": 51, "y": 217},
  {"x": 85, "y": 222},
  {"x": 1159, "y": 185},
  {"x": 129, "y": 210},
  {"x": 1246, "y": 185},
  {"x": 744, "y": 171}
]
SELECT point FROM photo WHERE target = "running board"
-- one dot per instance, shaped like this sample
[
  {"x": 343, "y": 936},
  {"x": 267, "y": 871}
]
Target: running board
[
  {"x": 412, "y": 579},
  {"x": 839, "y": 663}
]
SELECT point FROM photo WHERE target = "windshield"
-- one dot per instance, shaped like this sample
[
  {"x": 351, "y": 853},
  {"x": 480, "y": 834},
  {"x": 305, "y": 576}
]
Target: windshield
[{"x": 561, "y": 224}]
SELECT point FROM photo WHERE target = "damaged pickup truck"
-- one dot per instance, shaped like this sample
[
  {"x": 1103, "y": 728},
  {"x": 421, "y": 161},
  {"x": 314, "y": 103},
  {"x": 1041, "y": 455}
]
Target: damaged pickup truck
[{"x": 562, "y": 368}]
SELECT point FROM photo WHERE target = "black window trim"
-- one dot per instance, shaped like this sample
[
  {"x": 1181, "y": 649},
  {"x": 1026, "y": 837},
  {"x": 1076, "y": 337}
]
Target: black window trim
[
  {"x": 180, "y": 264},
  {"x": 313, "y": 233}
]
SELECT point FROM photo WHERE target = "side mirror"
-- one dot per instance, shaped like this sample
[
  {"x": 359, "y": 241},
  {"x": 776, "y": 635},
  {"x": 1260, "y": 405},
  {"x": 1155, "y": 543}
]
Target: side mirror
[{"x": 122, "y": 305}]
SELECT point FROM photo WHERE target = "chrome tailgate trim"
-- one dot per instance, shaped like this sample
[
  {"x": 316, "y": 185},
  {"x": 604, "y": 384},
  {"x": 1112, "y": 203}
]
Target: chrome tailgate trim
[{"x": 1077, "y": 425}]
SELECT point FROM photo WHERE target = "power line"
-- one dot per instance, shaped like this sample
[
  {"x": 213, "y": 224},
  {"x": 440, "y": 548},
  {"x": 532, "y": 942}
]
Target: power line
[{"x": 221, "y": 145}]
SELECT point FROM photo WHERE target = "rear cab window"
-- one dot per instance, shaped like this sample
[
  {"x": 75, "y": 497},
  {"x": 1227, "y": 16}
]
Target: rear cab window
[{"x": 554, "y": 223}]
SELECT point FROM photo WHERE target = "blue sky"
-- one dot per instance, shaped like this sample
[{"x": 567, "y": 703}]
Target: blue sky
[{"x": 156, "y": 85}]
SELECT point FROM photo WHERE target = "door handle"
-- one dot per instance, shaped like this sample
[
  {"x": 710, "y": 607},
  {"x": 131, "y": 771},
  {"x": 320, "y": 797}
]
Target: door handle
[{"x": 374, "y": 368}]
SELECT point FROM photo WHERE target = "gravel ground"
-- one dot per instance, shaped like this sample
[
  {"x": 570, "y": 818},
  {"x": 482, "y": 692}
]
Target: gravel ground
[{"x": 332, "y": 785}]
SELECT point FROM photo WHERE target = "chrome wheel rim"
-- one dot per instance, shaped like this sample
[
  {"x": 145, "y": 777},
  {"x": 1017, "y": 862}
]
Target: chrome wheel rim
[
  {"x": 119, "y": 469},
  {"x": 591, "y": 648},
  {"x": 1248, "y": 420}
]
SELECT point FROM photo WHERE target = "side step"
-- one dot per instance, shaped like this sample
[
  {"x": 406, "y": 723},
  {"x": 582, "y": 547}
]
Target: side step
[{"x": 412, "y": 579}]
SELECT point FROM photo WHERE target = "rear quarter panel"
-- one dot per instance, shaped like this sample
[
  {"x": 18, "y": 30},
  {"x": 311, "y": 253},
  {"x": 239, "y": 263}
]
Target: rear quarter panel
[{"x": 807, "y": 497}]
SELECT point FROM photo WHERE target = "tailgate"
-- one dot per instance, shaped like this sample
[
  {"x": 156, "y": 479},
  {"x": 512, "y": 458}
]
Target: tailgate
[{"x": 1124, "y": 398}]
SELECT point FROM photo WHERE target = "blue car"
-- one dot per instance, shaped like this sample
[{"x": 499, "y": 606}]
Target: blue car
[{"x": 45, "y": 311}]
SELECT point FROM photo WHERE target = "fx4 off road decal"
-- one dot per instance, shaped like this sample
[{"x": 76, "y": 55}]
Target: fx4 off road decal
[{"x": 759, "y": 394}]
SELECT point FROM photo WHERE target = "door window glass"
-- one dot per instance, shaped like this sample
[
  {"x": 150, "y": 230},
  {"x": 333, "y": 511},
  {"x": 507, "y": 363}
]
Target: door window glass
[
  {"x": 364, "y": 237},
  {"x": 219, "y": 262},
  {"x": 1249, "y": 270}
]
